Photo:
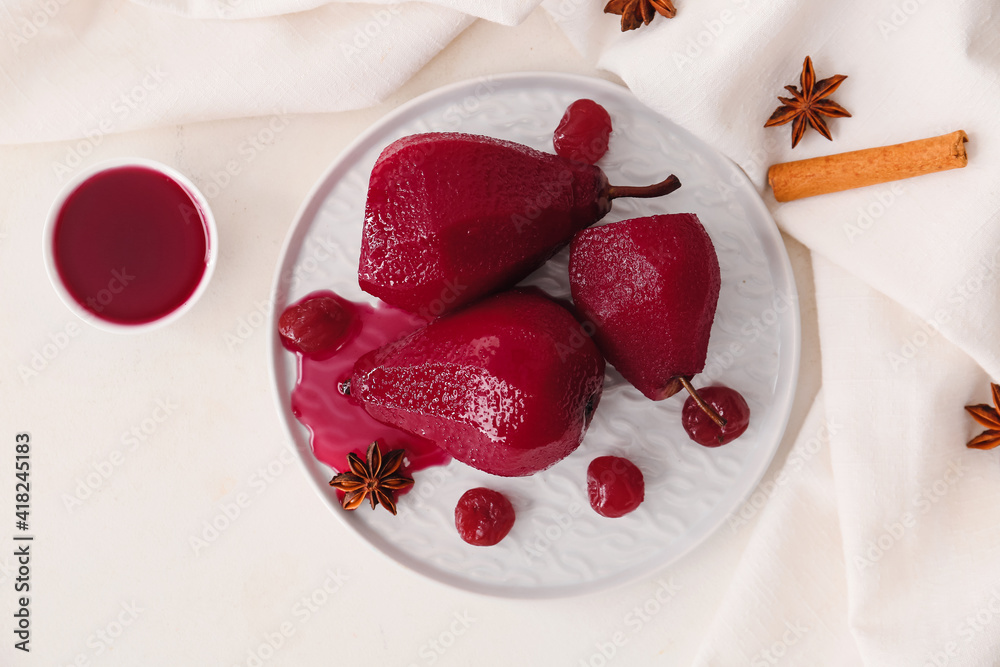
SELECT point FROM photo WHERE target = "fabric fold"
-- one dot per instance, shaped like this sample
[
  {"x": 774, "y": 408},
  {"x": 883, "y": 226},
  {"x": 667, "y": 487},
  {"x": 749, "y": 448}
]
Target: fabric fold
[
  {"x": 97, "y": 68},
  {"x": 788, "y": 600},
  {"x": 917, "y": 508},
  {"x": 508, "y": 12}
]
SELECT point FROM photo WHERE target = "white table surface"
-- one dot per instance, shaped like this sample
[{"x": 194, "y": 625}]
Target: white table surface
[{"x": 116, "y": 576}]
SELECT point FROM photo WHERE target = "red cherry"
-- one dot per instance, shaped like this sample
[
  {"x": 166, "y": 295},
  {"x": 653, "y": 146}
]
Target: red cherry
[
  {"x": 483, "y": 516},
  {"x": 615, "y": 486},
  {"x": 317, "y": 326},
  {"x": 730, "y": 405},
  {"x": 582, "y": 134}
]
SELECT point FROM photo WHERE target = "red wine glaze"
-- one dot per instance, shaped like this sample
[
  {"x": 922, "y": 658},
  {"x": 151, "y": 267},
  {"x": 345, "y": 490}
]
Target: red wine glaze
[
  {"x": 339, "y": 424},
  {"x": 130, "y": 245}
]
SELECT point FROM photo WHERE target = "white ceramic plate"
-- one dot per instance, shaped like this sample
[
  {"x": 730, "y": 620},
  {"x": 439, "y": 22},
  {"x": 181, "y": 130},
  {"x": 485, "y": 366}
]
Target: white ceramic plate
[{"x": 559, "y": 545}]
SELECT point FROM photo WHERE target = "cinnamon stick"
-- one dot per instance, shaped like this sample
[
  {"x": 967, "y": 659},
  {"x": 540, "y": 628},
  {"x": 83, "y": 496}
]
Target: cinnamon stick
[{"x": 857, "y": 169}]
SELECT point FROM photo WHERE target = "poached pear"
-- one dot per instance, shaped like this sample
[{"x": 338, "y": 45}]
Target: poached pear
[
  {"x": 507, "y": 386},
  {"x": 453, "y": 217},
  {"x": 650, "y": 287}
]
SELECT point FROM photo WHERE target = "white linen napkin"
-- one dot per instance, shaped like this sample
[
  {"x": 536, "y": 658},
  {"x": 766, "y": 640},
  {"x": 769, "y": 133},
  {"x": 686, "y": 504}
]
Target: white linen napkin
[
  {"x": 87, "y": 68},
  {"x": 509, "y": 12}
]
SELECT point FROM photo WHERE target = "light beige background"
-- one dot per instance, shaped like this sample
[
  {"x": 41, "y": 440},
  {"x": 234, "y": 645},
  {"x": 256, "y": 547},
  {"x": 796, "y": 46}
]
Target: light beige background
[{"x": 122, "y": 560}]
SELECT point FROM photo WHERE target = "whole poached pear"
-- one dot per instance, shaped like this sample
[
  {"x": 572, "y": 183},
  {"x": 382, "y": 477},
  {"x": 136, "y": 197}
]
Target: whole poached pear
[
  {"x": 649, "y": 286},
  {"x": 452, "y": 217},
  {"x": 507, "y": 386}
]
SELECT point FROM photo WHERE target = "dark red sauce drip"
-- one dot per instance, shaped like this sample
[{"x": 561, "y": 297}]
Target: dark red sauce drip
[{"x": 339, "y": 424}]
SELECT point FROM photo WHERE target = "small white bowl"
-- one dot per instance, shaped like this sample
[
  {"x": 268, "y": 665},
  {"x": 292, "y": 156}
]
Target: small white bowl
[{"x": 211, "y": 241}]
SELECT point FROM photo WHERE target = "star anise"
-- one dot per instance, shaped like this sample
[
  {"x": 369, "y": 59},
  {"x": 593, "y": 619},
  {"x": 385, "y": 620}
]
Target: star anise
[
  {"x": 989, "y": 417},
  {"x": 809, "y": 105},
  {"x": 375, "y": 479},
  {"x": 635, "y": 13}
]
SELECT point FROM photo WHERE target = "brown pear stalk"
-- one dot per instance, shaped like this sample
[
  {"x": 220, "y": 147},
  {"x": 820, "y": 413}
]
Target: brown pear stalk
[
  {"x": 719, "y": 420},
  {"x": 664, "y": 187}
]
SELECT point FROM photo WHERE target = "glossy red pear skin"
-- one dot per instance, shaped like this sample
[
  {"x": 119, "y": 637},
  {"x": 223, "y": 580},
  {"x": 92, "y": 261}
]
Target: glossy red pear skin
[
  {"x": 453, "y": 217},
  {"x": 650, "y": 286},
  {"x": 507, "y": 385}
]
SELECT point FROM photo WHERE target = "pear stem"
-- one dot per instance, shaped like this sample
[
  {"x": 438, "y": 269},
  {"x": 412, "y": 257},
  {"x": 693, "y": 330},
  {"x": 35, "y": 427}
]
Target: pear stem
[
  {"x": 706, "y": 408},
  {"x": 664, "y": 187}
]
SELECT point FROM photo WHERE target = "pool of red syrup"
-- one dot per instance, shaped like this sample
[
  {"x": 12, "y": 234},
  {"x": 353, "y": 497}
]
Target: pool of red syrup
[
  {"x": 130, "y": 245},
  {"x": 337, "y": 423}
]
